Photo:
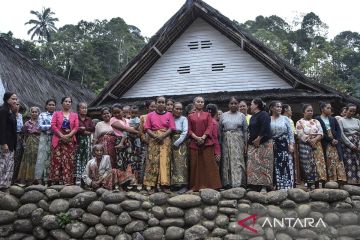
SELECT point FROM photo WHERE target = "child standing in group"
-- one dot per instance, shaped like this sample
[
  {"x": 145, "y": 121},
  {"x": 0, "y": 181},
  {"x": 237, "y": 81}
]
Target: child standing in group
[{"x": 135, "y": 142}]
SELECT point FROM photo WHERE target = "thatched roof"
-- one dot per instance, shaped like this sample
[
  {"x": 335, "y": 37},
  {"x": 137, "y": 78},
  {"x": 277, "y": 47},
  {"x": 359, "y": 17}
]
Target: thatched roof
[
  {"x": 172, "y": 30},
  {"x": 33, "y": 83}
]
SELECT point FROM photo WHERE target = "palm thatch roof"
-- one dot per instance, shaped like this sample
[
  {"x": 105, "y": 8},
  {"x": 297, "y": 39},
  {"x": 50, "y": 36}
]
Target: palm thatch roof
[
  {"x": 32, "y": 83},
  {"x": 173, "y": 29}
]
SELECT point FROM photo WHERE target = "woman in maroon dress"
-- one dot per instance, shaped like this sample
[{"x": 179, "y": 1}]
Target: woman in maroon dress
[{"x": 204, "y": 172}]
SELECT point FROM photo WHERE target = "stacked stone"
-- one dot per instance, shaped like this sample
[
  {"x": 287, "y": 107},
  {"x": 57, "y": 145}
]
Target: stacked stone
[{"x": 35, "y": 213}]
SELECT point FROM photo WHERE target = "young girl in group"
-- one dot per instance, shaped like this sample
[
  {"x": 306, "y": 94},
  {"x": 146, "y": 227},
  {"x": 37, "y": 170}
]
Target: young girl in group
[{"x": 98, "y": 171}]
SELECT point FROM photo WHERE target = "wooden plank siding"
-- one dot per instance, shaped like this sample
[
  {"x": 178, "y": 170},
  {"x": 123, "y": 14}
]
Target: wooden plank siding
[{"x": 239, "y": 70}]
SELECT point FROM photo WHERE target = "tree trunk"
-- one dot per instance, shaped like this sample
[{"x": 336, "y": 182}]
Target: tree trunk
[{"x": 68, "y": 76}]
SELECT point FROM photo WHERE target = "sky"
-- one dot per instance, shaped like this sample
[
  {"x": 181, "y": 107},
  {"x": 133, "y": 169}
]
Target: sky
[{"x": 150, "y": 15}]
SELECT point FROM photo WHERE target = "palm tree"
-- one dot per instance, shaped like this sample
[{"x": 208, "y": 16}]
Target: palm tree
[{"x": 44, "y": 24}]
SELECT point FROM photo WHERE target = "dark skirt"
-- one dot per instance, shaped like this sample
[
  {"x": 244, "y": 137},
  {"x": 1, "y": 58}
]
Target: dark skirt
[
  {"x": 83, "y": 154},
  {"x": 352, "y": 160},
  {"x": 108, "y": 141},
  {"x": 284, "y": 168},
  {"x": 179, "y": 163}
]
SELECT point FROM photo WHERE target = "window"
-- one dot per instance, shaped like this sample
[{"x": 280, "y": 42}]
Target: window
[
  {"x": 184, "y": 70},
  {"x": 217, "y": 67}
]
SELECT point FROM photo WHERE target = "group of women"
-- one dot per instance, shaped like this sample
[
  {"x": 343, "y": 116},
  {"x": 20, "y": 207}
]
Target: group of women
[{"x": 169, "y": 149}]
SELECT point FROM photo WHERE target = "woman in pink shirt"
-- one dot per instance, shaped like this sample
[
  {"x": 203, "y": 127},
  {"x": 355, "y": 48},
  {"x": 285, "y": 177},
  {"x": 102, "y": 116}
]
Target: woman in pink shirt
[
  {"x": 159, "y": 125},
  {"x": 64, "y": 124}
]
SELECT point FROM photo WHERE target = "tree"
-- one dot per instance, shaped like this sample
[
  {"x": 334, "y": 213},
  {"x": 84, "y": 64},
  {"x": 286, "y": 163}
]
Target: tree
[{"x": 44, "y": 24}]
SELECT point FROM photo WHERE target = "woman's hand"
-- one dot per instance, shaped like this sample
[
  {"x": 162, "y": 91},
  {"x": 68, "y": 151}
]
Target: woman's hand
[
  {"x": 291, "y": 148},
  {"x": 334, "y": 142},
  {"x": 256, "y": 142}
]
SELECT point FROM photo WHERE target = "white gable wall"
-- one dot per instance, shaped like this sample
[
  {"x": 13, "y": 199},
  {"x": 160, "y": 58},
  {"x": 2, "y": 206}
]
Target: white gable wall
[
  {"x": 242, "y": 72},
  {"x": 2, "y": 91}
]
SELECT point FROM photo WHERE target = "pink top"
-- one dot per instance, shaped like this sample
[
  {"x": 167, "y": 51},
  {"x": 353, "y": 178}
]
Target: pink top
[
  {"x": 124, "y": 122},
  {"x": 155, "y": 121},
  {"x": 56, "y": 122},
  {"x": 215, "y": 137}
]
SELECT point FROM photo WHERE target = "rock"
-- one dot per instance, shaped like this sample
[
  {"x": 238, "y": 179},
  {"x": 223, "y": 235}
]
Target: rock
[
  {"x": 114, "y": 208},
  {"x": 141, "y": 215},
  {"x": 136, "y": 196},
  {"x": 90, "y": 219},
  {"x": 25, "y": 210},
  {"x": 316, "y": 215},
  {"x": 32, "y": 196},
  {"x": 234, "y": 227},
  {"x": 130, "y": 205},
  {"x": 307, "y": 233},
  {"x": 288, "y": 204},
  {"x": 52, "y": 194},
  {"x": 76, "y": 230},
  {"x": 339, "y": 206},
  {"x": 59, "y": 234},
  {"x": 70, "y": 191},
  {"x": 90, "y": 233},
  {"x": 9, "y": 202},
  {"x": 350, "y": 231},
  {"x": 222, "y": 221},
  {"x": 348, "y": 218},
  {"x": 153, "y": 222},
  {"x": 196, "y": 232},
  {"x": 208, "y": 224},
  {"x": 137, "y": 236},
  {"x": 114, "y": 230},
  {"x": 82, "y": 200},
  {"x": 76, "y": 213},
  {"x": 39, "y": 233},
  {"x": 16, "y": 191},
  {"x": 177, "y": 222},
  {"x": 23, "y": 225},
  {"x": 243, "y": 207},
  {"x": 269, "y": 233},
  {"x": 17, "y": 236},
  {"x": 332, "y": 185},
  {"x": 38, "y": 187},
  {"x": 329, "y": 195},
  {"x": 135, "y": 226},
  {"x": 159, "y": 198},
  {"x": 234, "y": 193},
  {"x": 108, "y": 218},
  {"x": 210, "y": 212},
  {"x": 352, "y": 189},
  {"x": 319, "y": 206},
  {"x": 283, "y": 236},
  {"x": 291, "y": 214},
  {"x": 96, "y": 207},
  {"x": 331, "y": 218},
  {"x": 259, "y": 209},
  {"x": 356, "y": 204},
  {"x": 228, "y": 203},
  {"x": 57, "y": 187},
  {"x": 210, "y": 196},
  {"x": 123, "y": 236},
  {"x": 100, "y": 229},
  {"x": 123, "y": 219},
  {"x": 192, "y": 216},
  {"x": 7, "y": 217},
  {"x": 256, "y": 197},
  {"x": 49, "y": 222},
  {"x": 100, "y": 191},
  {"x": 146, "y": 205},
  {"x": 6, "y": 230},
  {"x": 59, "y": 206},
  {"x": 234, "y": 237},
  {"x": 43, "y": 204},
  {"x": 228, "y": 211},
  {"x": 303, "y": 210},
  {"x": 158, "y": 212},
  {"x": 219, "y": 232},
  {"x": 104, "y": 237},
  {"x": 275, "y": 197},
  {"x": 153, "y": 233},
  {"x": 298, "y": 195},
  {"x": 185, "y": 201},
  {"x": 174, "y": 233},
  {"x": 173, "y": 212},
  {"x": 259, "y": 231},
  {"x": 113, "y": 197},
  {"x": 36, "y": 216}
]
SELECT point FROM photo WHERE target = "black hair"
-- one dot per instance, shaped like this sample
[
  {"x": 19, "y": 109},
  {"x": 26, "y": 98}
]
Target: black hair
[
  {"x": 64, "y": 98},
  {"x": 50, "y": 100},
  {"x": 177, "y": 103},
  {"x": 213, "y": 109},
  {"x": 170, "y": 99},
  {"x": 148, "y": 103},
  {"x": 284, "y": 107},
  {"x": 188, "y": 109},
  {"x": 157, "y": 98},
  {"x": 116, "y": 105},
  {"x": 197, "y": 98},
  {"x": 7, "y": 96},
  {"x": 350, "y": 105},
  {"x": 305, "y": 106},
  {"x": 233, "y": 99},
  {"x": 323, "y": 105},
  {"x": 105, "y": 109},
  {"x": 78, "y": 105},
  {"x": 259, "y": 103},
  {"x": 134, "y": 107},
  {"x": 273, "y": 104}
]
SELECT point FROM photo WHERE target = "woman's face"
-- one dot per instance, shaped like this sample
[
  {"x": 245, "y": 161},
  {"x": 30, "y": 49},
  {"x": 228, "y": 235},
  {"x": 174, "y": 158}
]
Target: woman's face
[
  {"x": 152, "y": 106},
  {"x": 234, "y": 105},
  {"x": 160, "y": 104},
  {"x": 98, "y": 152},
  {"x": 327, "y": 110},
  {"x": 343, "y": 113},
  {"x": 83, "y": 109},
  {"x": 288, "y": 112},
  {"x": 308, "y": 113},
  {"x": 178, "y": 109},
  {"x": 12, "y": 101},
  {"x": 34, "y": 113},
  {"x": 50, "y": 107},
  {"x": 117, "y": 113},
  {"x": 169, "y": 106},
  {"x": 67, "y": 104},
  {"x": 199, "y": 103},
  {"x": 351, "y": 112},
  {"x": 17, "y": 107},
  {"x": 253, "y": 107},
  {"x": 106, "y": 115},
  {"x": 276, "y": 110},
  {"x": 243, "y": 107}
]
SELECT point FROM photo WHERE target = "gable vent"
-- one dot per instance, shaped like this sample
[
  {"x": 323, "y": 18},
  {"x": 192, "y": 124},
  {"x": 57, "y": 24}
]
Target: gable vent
[
  {"x": 206, "y": 44},
  {"x": 217, "y": 67},
  {"x": 193, "y": 45},
  {"x": 184, "y": 70}
]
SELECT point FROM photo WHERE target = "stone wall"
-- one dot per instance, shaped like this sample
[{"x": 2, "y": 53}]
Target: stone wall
[{"x": 71, "y": 212}]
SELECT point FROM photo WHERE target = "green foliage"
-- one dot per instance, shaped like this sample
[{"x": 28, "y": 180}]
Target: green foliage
[{"x": 63, "y": 219}]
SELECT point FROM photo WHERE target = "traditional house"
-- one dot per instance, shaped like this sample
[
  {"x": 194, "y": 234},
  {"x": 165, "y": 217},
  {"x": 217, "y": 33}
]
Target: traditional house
[
  {"x": 199, "y": 51},
  {"x": 33, "y": 83}
]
